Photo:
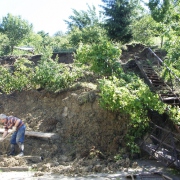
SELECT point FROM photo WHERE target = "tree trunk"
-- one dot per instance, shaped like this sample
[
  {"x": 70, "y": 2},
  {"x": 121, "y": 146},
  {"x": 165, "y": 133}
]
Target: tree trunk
[
  {"x": 12, "y": 48},
  {"x": 162, "y": 39}
]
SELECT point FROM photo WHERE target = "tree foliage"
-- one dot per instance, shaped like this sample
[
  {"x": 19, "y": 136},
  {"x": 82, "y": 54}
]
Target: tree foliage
[
  {"x": 48, "y": 74},
  {"x": 159, "y": 9},
  {"x": 166, "y": 14},
  {"x": 4, "y": 44},
  {"x": 145, "y": 29},
  {"x": 101, "y": 57},
  {"x": 82, "y": 19},
  {"x": 15, "y": 28},
  {"x": 87, "y": 35},
  {"x": 130, "y": 96},
  {"x": 119, "y": 15}
]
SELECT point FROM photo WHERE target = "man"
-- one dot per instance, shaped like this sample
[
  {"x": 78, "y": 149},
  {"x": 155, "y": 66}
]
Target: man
[{"x": 18, "y": 132}]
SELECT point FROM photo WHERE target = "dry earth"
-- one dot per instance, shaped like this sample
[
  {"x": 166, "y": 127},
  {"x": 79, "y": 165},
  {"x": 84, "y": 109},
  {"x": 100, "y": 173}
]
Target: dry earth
[{"x": 88, "y": 135}]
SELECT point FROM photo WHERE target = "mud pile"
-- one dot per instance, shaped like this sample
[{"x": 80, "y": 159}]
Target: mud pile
[{"x": 84, "y": 129}]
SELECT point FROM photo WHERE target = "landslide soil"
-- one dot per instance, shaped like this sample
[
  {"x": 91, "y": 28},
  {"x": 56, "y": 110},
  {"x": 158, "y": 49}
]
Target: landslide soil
[{"x": 88, "y": 136}]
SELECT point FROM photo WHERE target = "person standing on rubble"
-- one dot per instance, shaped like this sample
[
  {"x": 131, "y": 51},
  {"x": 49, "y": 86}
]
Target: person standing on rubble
[{"x": 18, "y": 132}]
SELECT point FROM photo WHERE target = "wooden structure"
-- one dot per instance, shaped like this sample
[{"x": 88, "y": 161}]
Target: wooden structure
[
  {"x": 38, "y": 134},
  {"x": 163, "y": 146}
]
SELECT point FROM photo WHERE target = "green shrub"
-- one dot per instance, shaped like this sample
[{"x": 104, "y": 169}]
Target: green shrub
[
  {"x": 101, "y": 57},
  {"x": 132, "y": 97},
  {"x": 48, "y": 74},
  {"x": 52, "y": 76},
  {"x": 18, "y": 78}
]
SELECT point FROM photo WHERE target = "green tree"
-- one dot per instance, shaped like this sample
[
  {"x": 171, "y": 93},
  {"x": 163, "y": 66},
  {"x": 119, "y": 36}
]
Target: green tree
[
  {"x": 61, "y": 43},
  {"x": 4, "y": 44},
  {"x": 15, "y": 28},
  {"x": 71, "y": 40},
  {"x": 165, "y": 13},
  {"x": 159, "y": 9},
  {"x": 145, "y": 29},
  {"x": 119, "y": 15},
  {"x": 59, "y": 33},
  {"x": 82, "y": 19},
  {"x": 33, "y": 40},
  {"x": 46, "y": 39},
  {"x": 87, "y": 35}
]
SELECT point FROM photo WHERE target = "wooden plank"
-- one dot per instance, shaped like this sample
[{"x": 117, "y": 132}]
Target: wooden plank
[
  {"x": 170, "y": 98},
  {"x": 38, "y": 134},
  {"x": 9, "y": 169},
  {"x": 34, "y": 159}
]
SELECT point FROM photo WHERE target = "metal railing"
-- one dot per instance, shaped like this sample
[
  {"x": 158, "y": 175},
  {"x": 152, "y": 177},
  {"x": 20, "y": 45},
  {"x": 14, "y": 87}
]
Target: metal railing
[
  {"x": 158, "y": 65},
  {"x": 162, "y": 144}
]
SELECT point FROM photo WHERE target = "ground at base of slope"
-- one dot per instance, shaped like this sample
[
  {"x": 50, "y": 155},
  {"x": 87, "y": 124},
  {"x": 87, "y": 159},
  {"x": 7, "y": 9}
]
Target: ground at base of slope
[{"x": 148, "y": 167}]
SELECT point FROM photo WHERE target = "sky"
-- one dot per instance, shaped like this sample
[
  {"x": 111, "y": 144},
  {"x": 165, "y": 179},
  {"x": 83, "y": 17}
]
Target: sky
[{"x": 46, "y": 15}]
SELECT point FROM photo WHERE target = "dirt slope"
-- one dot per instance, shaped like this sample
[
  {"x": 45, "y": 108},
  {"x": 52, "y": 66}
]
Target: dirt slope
[{"x": 75, "y": 116}]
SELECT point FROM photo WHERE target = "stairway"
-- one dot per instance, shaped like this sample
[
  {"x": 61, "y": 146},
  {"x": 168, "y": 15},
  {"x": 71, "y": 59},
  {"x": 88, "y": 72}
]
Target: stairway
[
  {"x": 163, "y": 145},
  {"x": 156, "y": 83}
]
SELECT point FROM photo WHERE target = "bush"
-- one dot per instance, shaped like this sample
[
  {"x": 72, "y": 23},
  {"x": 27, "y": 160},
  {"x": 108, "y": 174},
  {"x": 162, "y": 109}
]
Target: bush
[
  {"x": 101, "y": 57},
  {"x": 18, "y": 78}
]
